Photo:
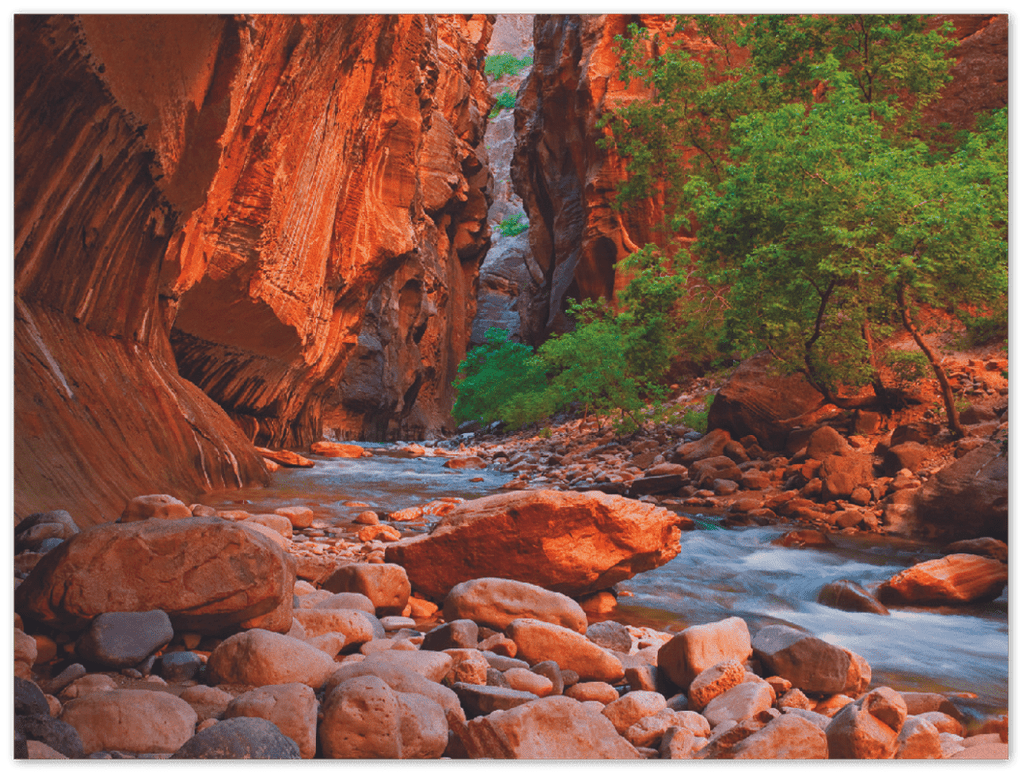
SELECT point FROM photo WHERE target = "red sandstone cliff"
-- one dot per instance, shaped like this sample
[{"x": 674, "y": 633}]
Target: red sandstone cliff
[
  {"x": 568, "y": 183},
  {"x": 239, "y": 188}
]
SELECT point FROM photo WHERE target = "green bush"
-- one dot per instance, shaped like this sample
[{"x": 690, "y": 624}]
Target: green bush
[
  {"x": 497, "y": 381},
  {"x": 513, "y": 225},
  {"x": 506, "y": 101},
  {"x": 497, "y": 65},
  {"x": 696, "y": 417},
  {"x": 907, "y": 365}
]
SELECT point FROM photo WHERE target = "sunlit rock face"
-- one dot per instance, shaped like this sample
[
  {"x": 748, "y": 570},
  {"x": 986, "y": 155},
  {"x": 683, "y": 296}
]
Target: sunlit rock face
[
  {"x": 211, "y": 205},
  {"x": 352, "y": 175},
  {"x": 568, "y": 183},
  {"x": 101, "y": 413}
]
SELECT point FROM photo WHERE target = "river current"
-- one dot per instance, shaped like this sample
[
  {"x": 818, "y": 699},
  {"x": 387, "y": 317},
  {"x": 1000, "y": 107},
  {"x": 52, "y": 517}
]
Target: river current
[{"x": 720, "y": 572}]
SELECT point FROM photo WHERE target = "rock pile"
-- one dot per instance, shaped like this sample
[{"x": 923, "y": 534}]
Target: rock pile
[{"x": 202, "y": 643}]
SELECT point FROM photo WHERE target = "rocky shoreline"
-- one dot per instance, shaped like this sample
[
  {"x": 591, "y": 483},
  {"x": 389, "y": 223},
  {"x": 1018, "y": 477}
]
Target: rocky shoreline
[{"x": 193, "y": 632}]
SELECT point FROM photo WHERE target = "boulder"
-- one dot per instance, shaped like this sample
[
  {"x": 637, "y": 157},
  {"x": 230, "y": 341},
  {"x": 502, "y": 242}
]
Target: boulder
[
  {"x": 966, "y": 499},
  {"x": 712, "y": 444},
  {"x": 496, "y": 602},
  {"x": 300, "y": 516},
  {"x": 570, "y": 542},
  {"x": 155, "y": 507},
  {"x": 547, "y": 728},
  {"x": 465, "y": 462},
  {"x": 985, "y": 547},
  {"x": 850, "y": 596},
  {"x": 454, "y": 634},
  {"x": 401, "y": 679},
  {"x": 262, "y": 658},
  {"x": 41, "y": 526},
  {"x": 432, "y": 665},
  {"x": 29, "y": 699},
  {"x": 714, "y": 681},
  {"x": 133, "y": 721},
  {"x": 610, "y": 635},
  {"x": 701, "y": 646},
  {"x": 481, "y": 700},
  {"x": 705, "y": 472},
  {"x": 950, "y": 580},
  {"x": 364, "y": 718},
  {"x": 631, "y": 707},
  {"x": 345, "y": 601},
  {"x": 292, "y": 708},
  {"x": 351, "y": 623},
  {"x": 208, "y": 702},
  {"x": 279, "y": 523},
  {"x": 286, "y": 458},
  {"x": 808, "y": 662},
  {"x": 842, "y": 474},
  {"x": 539, "y": 641},
  {"x": 239, "y": 738},
  {"x": 868, "y": 728},
  {"x": 469, "y": 666},
  {"x": 334, "y": 449},
  {"x": 207, "y": 574},
  {"x": 178, "y": 666},
  {"x": 757, "y": 401},
  {"x": 825, "y": 442},
  {"x": 910, "y": 455},
  {"x": 784, "y": 737},
  {"x": 386, "y": 585},
  {"x": 119, "y": 640},
  {"x": 744, "y": 701},
  {"x": 57, "y": 734}
]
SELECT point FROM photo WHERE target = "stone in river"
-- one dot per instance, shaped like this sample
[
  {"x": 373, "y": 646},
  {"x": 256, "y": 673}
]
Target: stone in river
[
  {"x": 570, "y": 542},
  {"x": 953, "y": 579}
]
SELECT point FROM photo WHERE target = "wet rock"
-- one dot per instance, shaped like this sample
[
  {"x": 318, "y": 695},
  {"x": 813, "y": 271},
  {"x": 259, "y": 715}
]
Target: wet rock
[
  {"x": 234, "y": 575},
  {"x": 701, "y": 646},
  {"x": 155, "y": 507},
  {"x": 364, "y": 718},
  {"x": 261, "y": 658},
  {"x": 292, "y": 708},
  {"x": 300, "y": 516},
  {"x": 286, "y": 458},
  {"x": 239, "y": 738},
  {"x": 548, "y": 728},
  {"x": 334, "y": 449},
  {"x": 984, "y": 547},
  {"x": 124, "y": 639},
  {"x": 496, "y": 602},
  {"x": 539, "y": 641},
  {"x": 387, "y": 585},
  {"x": 954, "y": 579},
  {"x": 468, "y": 462},
  {"x": 810, "y": 663},
  {"x": 133, "y": 721},
  {"x": 568, "y": 542},
  {"x": 850, "y": 596}
]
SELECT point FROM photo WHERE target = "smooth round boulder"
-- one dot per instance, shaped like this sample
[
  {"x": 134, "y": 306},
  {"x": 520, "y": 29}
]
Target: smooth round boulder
[
  {"x": 239, "y": 738},
  {"x": 292, "y": 708},
  {"x": 364, "y": 718},
  {"x": 207, "y": 574},
  {"x": 55, "y": 733},
  {"x": 131, "y": 720},
  {"x": 119, "y": 640},
  {"x": 351, "y": 623},
  {"x": 385, "y": 584},
  {"x": 701, "y": 646},
  {"x": 950, "y": 580},
  {"x": 810, "y": 663},
  {"x": 784, "y": 737},
  {"x": 495, "y": 603},
  {"x": 540, "y": 641},
  {"x": 401, "y": 679},
  {"x": 155, "y": 507},
  {"x": 261, "y": 658},
  {"x": 848, "y": 595}
]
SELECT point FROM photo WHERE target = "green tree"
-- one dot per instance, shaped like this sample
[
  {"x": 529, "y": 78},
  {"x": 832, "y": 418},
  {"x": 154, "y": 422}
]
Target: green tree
[{"x": 822, "y": 212}]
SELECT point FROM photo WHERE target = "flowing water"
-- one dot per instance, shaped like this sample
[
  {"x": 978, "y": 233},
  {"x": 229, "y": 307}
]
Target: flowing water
[{"x": 719, "y": 573}]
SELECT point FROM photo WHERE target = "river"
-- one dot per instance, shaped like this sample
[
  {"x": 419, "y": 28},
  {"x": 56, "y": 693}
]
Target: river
[{"x": 720, "y": 572}]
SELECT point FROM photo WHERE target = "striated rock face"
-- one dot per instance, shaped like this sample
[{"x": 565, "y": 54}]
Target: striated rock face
[
  {"x": 566, "y": 181},
  {"x": 222, "y": 202},
  {"x": 346, "y": 216},
  {"x": 101, "y": 413}
]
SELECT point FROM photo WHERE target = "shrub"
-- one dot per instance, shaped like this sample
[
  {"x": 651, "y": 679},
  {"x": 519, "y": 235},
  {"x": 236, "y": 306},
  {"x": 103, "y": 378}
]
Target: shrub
[
  {"x": 513, "y": 225},
  {"x": 696, "y": 417},
  {"x": 499, "y": 380},
  {"x": 506, "y": 100},
  {"x": 497, "y": 65}
]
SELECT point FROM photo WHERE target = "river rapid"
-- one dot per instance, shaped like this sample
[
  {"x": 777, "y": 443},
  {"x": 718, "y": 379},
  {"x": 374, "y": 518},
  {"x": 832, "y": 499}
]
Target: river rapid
[{"x": 720, "y": 572}]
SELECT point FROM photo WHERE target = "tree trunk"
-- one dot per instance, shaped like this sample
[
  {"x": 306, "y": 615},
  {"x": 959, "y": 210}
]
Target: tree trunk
[{"x": 952, "y": 416}]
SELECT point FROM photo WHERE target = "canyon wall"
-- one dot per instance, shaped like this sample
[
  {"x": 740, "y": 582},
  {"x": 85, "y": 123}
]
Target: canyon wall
[
  {"x": 568, "y": 183},
  {"x": 209, "y": 207}
]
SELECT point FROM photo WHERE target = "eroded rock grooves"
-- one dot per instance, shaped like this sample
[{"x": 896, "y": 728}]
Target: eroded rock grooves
[{"x": 224, "y": 199}]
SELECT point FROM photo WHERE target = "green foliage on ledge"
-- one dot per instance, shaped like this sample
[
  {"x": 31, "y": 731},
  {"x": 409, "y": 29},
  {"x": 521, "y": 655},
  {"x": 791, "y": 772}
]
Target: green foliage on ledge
[{"x": 497, "y": 65}]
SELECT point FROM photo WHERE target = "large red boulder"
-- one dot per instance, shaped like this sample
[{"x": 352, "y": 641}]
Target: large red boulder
[
  {"x": 757, "y": 400},
  {"x": 954, "y": 579},
  {"x": 570, "y": 542},
  {"x": 209, "y": 575}
]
